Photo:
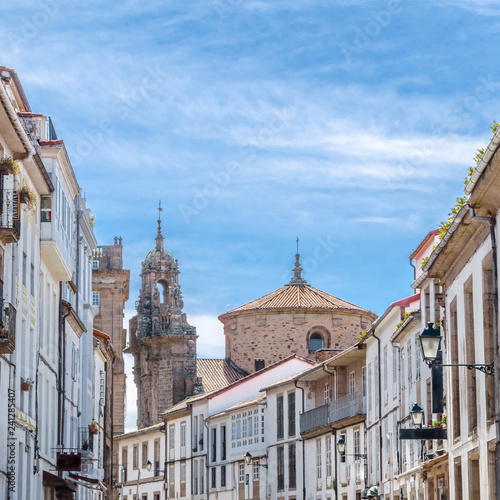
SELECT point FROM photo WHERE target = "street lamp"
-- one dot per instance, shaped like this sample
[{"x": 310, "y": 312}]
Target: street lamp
[
  {"x": 149, "y": 465},
  {"x": 248, "y": 460},
  {"x": 371, "y": 492},
  {"x": 341, "y": 445},
  {"x": 430, "y": 342},
  {"x": 417, "y": 415}
]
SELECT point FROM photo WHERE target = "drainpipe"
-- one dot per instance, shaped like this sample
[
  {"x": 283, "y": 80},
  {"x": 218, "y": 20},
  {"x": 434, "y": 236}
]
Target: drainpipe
[
  {"x": 61, "y": 368},
  {"x": 77, "y": 277},
  {"x": 165, "y": 475},
  {"x": 329, "y": 373},
  {"x": 207, "y": 455},
  {"x": 63, "y": 321},
  {"x": 303, "y": 446},
  {"x": 190, "y": 406},
  {"x": 494, "y": 279},
  {"x": 414, "y": 273},
  {"x": 379, "y": 405},
  {"x": 334, "y": 434},
  {"x": 399, "y": 420}
]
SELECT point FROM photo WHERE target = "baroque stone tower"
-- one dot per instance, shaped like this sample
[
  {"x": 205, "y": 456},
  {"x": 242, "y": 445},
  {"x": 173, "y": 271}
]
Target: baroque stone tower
[{"x": 161, "y": 340}]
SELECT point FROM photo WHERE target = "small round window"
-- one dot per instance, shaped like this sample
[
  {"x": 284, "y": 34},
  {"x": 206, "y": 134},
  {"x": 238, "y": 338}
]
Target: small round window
[{"x": 316, "y": 342}]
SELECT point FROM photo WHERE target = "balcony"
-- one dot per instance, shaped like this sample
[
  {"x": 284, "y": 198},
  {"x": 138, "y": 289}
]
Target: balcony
[
  {"x": 10, "y": 225},
  {"x": 346, "y": 407},
  {"x": 327, "y": 415},
  {"x": 7, "y": 328},
  {"x": 314, "y": 419},
  {"x": 86, "y": 444},
  {"x": 55, "y": 245}
]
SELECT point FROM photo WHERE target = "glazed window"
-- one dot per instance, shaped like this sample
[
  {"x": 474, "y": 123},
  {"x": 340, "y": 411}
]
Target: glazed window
[{"x": 316, "y": 342}]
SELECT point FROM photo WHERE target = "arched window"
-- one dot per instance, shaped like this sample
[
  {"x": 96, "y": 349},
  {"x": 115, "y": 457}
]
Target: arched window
[
  {"x": 162, "y": 288},
  {"x": 316, "y": 341}
]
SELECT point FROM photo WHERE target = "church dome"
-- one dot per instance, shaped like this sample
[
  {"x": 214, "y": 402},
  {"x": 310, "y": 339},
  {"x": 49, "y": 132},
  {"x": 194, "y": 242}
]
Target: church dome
[
  {"x": 158, "y": 255},
  {"x": 295, "y": 319},
  {"x": 297, "y": 295}
]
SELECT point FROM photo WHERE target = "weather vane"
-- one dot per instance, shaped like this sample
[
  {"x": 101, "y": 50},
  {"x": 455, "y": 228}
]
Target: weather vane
[{"x": 297, "y": 245}]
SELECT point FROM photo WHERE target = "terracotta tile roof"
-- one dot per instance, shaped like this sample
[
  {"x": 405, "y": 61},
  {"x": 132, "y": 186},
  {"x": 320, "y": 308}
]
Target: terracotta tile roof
[
  {"x": 216, "y": 373},
  {"x": 299, "y": 297},
  {"x": 242, "y": 378},
  {"x": 144, "y": 430},
  {"x": 184, "y": 403}
]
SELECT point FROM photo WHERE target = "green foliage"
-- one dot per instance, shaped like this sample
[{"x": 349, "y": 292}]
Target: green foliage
[
  {"x": 31, "y": 195},
  {"x": 92, "y": 220},
  {"x": 436, "y": 423},
  {"x": 405, "y": 317},
  {"x": 445, "y": 225}
]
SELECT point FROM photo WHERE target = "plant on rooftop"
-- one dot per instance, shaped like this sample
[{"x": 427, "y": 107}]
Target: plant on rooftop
[
  {"x": 405, "y": 317},
  {"x": 460, "y": 202}
]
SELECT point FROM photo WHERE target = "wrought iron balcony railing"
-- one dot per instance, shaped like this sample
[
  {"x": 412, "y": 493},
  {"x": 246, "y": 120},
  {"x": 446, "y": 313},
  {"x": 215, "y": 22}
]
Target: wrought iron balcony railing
[
  {"x": 7, "y": 328},
  {"x": 314, "y": 419},
  {"x": 86, "y": 444},
  {"x": 346, "y": 407}
]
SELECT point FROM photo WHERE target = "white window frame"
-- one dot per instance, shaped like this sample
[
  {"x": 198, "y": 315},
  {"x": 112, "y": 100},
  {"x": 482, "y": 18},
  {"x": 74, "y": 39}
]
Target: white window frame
[
  {"x": 183, "y": 439},
  {"x": 328, "y": 449},
  {"x": 255, "y": 469},
  {"x": 352, "y": 382},
  {"x": 171, "y": 441},
  {"x": 319, "y": 462}
]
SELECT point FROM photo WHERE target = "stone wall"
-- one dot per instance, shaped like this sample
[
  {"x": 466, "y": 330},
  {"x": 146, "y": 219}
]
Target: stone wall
[
  {"x": 162, "y": 375},
  {"x": 275, "y": 335},
  {"x": 113, "y": 287}
]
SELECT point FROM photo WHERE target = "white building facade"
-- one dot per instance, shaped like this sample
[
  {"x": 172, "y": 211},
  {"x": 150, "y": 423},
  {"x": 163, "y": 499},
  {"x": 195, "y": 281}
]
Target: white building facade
[{"x": 47, "y": 364}]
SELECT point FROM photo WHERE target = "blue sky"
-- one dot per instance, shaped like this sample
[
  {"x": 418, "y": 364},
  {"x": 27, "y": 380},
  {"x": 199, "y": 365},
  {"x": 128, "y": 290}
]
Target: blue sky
[{"x": 350, "y": 124}]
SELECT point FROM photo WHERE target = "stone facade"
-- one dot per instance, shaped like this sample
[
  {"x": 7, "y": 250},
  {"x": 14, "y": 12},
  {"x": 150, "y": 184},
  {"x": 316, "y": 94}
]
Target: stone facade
[
  {"x": 161, "y": 340},
  {"x": 278, "y": 334},
  {"x": 111, "y": 283},
  {"x": 296, "y": 319}
]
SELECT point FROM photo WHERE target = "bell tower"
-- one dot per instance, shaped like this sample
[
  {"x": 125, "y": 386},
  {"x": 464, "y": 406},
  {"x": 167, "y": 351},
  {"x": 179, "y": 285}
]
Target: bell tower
[{"x": 161, "y": 340}]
